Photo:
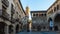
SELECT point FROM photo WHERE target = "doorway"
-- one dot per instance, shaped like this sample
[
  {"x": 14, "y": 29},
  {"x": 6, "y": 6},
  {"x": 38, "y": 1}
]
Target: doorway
[
  {"x": 2, "y": 26},
  {"x": 56, "y": 28}
]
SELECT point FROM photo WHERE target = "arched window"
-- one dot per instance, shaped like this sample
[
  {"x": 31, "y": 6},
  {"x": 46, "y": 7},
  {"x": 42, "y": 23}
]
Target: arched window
[
  {"x": 33, "y": 14},
  {"x": 54, "y": 8},
  {"x": 57, "y": 7},
  {"x": 45, "y": 14},
  {"x": 36, "y": 14}
]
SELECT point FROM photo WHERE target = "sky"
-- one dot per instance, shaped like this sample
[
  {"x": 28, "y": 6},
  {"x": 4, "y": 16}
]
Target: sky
[{"x": 35, "y": 5}]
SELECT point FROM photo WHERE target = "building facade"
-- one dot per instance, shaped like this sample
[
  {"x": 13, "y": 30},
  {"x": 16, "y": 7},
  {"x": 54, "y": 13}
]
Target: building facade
[
  {"x": 11, "y": 14},
  {"x": 39, "y": 20},
  {"x": 53, "y": 14}
]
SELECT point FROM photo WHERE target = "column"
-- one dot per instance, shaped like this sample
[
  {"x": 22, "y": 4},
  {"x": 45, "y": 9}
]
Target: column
[
  {"x": 20, "y": 27},
  {"x": 6, "y": 29},
  {"x": 14, "y": 31},
  {"x": 30, "y": 26},
  {"x": 47, "y": 28}
]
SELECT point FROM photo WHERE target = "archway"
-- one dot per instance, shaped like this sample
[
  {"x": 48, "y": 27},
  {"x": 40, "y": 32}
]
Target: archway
[
  {"x": 21, "y": 27},
  {"x": 2, "y": 26},
  {"x": 10, "y": 29},
  {"x": 50, "y": 19},
  {"x": 51, "y": 24},
  {"x": 44, "y": 27},
  {"x": 38, "y": 28},
  {"x": 57, "y": 22},
  {"x": 57, "y": 18},
  {"x": 56, "y": 28},
  {"x": 17, "y": 28}
]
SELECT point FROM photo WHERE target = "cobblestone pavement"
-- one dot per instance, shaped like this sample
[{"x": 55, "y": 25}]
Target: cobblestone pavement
[{"x": 38, "y": 33}]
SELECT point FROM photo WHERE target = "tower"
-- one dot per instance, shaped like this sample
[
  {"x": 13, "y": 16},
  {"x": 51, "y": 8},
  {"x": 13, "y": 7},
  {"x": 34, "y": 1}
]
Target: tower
[
  {"x": 27, "y": 11},
  {"x": 29, "y": 18}
]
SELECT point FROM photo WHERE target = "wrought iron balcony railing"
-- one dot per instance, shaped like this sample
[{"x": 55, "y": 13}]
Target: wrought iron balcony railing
[{"x": 5, "y": 2}]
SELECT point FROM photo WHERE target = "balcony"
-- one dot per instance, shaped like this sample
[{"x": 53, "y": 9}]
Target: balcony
[
  {"x": 5, "y": 2},
  {"x": 5, "y": 14},
  {"x": 13, "y": 20}
]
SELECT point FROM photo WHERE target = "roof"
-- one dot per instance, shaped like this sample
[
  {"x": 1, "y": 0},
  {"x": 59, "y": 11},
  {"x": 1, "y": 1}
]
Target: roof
[
  {"x": 52, "y": 5},
  {"x": 22, "y": 7},
  {"x": 38, "y": 11}
]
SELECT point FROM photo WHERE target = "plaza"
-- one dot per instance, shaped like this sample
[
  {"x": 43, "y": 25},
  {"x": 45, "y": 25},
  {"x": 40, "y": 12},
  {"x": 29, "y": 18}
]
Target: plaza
[{"x": 15, "y": 20}]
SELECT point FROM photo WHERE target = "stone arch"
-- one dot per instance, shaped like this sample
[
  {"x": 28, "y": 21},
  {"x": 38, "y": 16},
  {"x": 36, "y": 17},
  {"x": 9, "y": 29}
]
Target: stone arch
[
  {"x": 49, "y": 19},
  {"x": 17, "y": 28},
  {"x": 57, "y": 18},
  {"x": 10, "y": 29},
  {"x": 57, "y": 22},
  {"x": 50, "y": 23},
  {"x": 2, "y": 26},
  {"x": 56, "y": 28},
  {"x": 39, "y": 28}
]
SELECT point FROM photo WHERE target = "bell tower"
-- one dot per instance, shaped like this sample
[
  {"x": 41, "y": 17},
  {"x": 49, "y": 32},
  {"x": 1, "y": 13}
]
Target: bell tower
[{"x": 27, "y": 11}]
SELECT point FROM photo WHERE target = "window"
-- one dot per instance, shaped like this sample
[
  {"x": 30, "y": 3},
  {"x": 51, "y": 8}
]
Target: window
[
  {"x": 3, "y": 9},
  {"x": 12, "y": 12},
  {"x": 17, "y": 12},
  {"x": 42, "y": 15},
  {"x": 33, "y": 14},
  {"x": 51, "y": 11},
  {"x": 12, "y": 9},
  {"x": 44, "y": 27},
  {"x": 19, "y": 15},
  {"x": 5, "y": 2},
  {"x": 57, "y": 7},
  {"x": 36, "y": 14},
  {"x": 54, "y": 8},
  {"x": 45, "y": 14}
]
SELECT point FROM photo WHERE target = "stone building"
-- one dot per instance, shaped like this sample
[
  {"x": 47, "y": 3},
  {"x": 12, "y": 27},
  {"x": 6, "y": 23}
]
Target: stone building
[
  {"x": 53, "y": 13},
  {"x": 39, "y": 20},
  {"x": 11, "y": 14}
]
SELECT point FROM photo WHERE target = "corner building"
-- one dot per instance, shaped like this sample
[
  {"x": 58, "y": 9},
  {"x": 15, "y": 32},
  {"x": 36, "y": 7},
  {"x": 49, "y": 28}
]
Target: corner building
[
  {"x": 53, "y": 13},
  {"x": 11, "y": 13}
]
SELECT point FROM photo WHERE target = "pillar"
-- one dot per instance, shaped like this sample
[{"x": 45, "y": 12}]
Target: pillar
[
  {"x": 6, "y": 29},
  {"x": 20, "y": 27},
  {"x": 30, "y": 26},
  {"x": 14, "y": 31}
]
